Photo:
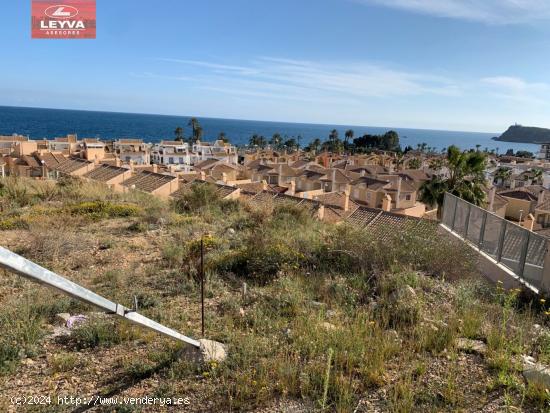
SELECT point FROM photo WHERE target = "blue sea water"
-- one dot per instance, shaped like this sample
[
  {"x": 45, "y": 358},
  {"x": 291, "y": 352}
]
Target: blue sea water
[{"x": 49, "y": 123}]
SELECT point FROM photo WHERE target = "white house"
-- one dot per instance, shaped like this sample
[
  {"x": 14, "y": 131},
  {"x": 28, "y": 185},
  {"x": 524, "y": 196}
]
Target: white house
[
  {"x": 134, "y": 150},
  {"x": 219, "y": 150},
  {"x": 172, "y": 153}
]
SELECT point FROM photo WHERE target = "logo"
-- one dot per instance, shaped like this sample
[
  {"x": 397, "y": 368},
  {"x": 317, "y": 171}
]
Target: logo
[
  {"x": 61, "y": 12},
  {"x": 71, "y": 19}
]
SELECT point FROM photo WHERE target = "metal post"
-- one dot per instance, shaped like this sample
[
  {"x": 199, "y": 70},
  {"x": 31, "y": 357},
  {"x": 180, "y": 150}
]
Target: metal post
[
  {"x": 501, "y": 240},
  {"x": 482, "y": 231},
  {"x": 454, "y": 213},
  {"x": 467, "y": 224},
  {"x": 202, "y": 286},
  {"x": 523, "y": 256}
]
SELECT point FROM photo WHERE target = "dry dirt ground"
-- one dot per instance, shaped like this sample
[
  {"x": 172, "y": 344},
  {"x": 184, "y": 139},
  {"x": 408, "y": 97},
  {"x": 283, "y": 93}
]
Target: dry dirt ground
[{"x": 112, "y": 258}]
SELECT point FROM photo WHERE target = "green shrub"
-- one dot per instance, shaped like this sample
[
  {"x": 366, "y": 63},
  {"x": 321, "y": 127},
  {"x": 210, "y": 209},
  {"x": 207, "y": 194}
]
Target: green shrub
[
  {"x": 103, "y": 209},
  {"x": 13, "y": 223},
  {"x": 200, "y": 197}
]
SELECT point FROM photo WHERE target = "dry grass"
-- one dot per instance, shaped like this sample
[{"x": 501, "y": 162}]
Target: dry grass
[{"x": 332, "y": 318}]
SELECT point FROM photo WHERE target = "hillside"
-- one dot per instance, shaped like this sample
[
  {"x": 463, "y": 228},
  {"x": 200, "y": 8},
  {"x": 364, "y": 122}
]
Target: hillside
[
  {"x": 332, "y": 320},
  {"x": 525, "y": 134}
]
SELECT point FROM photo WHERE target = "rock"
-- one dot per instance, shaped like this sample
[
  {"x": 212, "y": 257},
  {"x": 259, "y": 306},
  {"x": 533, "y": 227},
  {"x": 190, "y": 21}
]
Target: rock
[
  {"x": 231, "y": 231},
  {"x": 536, "y": 373},
  {"x": 471, "y": 346},
  {"x": 316, "y": 304},
  {"x": 331, "y": 313},
  {"x": 393, "y": 335},
  {"x": 212, "y": 351},
  {"x": 328, "y": 326},
  {"x": 28, "y": 362},
  {"x": 405, "y": 294},
  {"x": 62, "y": 318}
]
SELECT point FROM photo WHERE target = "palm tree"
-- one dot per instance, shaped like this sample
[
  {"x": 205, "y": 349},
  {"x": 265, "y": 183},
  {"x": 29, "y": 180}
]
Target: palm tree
[
  {"x": 276, "y": 140},
  {"x": 223, "y": 137},
  {"x": 179, "y": 134},
  {"x": 349, "y": 136},
  {"x": 254, "y": 140},
  {"x": 314, "y": 145},
  {"x": 197, "y": 129},
  {"x": 262, "y": 142},
  {"x": 536, "y": 175},
  {"x": 503, "y": 174},
  {"x": 466, "y": 179}
]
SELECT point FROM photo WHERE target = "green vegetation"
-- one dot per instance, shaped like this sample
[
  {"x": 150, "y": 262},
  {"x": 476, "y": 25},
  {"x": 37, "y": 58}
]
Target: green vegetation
[
  {"x": 332, "y": 317},
  {"x": 525, "y": 134},
  {"x": 466, "y": 179}
]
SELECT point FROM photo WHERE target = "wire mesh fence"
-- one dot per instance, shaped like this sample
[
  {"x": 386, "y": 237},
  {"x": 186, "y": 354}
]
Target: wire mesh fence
[{"x": 518, "y": 249}]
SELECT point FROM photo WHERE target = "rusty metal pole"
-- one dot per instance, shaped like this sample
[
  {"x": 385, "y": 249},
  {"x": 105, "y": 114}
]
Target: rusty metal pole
[{"x": 202, "y": 286}]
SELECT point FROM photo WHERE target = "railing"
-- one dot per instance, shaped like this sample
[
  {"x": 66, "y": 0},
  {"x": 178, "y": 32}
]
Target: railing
[
  {"x": 22, "y": 266},
  {"x": 518, "y": 249}
]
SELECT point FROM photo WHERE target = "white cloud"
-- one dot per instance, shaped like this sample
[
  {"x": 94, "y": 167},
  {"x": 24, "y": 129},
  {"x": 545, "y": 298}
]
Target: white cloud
[
  {"x": 515, "y": 88},
  {"x": 305, "y": 80},
  {"x": 487, "y": 11}
]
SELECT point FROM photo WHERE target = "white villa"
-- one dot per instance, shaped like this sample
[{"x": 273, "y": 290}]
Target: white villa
[
  {"x": 218, "y": 150},
  {"x": 172, "y": 153}
]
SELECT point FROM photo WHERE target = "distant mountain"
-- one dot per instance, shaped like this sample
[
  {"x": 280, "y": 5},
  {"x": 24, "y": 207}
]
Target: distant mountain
[{"x": 525, "y": 134}]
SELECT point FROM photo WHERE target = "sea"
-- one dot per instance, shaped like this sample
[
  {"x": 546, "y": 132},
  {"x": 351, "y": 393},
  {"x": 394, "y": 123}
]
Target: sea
[{"x": 39, "y": 123}]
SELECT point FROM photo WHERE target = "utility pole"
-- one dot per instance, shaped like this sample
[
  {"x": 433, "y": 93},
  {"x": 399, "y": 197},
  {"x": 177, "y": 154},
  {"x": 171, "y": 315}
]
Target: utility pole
[{"x": 202, "y": 285}]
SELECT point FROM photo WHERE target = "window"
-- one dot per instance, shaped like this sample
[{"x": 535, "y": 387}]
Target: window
[
  {"x": 408, "y": 197},
  {"x": 170, "y": 160},
  {"x": 181, "y": 160}
]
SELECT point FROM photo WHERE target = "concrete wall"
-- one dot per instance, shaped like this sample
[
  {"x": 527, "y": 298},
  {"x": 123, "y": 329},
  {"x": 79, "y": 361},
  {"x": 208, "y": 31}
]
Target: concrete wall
[{"x": 165, "y": 190}]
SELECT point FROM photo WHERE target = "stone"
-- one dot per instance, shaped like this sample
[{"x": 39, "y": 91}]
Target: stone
[
  {"x": 28, "y": 362},
  {"x": 471, "y": 346},
  {"x": 536, "y": 374},
  {"x": 331, "y": 313},
  {"x": 328, "y": 326},
  {"x": 394, "y": 335},
  {"x": 62, "y": 318},
  {"x": 212, "y": 351},
  {"x": 316, "y": 304},
  {"x": 231, "y": 231}
]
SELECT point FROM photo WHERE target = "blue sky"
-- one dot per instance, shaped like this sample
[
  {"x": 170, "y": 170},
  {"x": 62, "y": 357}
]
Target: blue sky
[{"x": 477, "y": 65}]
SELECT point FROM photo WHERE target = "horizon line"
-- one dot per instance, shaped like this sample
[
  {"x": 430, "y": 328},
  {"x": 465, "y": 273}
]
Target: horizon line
[{"x": 496, "y": 134}]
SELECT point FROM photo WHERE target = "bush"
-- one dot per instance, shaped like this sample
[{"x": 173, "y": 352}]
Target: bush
[
  {"x": 103, "y": 209},
  {"x": 200, "y": 197}
]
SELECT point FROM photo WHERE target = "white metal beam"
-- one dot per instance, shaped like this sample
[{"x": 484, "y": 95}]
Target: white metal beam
[{"x": 19, "y": 265}]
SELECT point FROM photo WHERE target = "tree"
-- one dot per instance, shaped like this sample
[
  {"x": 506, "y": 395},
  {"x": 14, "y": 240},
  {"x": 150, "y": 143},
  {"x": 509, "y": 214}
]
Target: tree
[
  {"x": 223, "y": 137},
  {"x": 314, "y": 145},
  {"x": 349, "y": 136},
  {"x": 415, "y": 163},
  {"x": 257, "y": 141},
  {"x": 291, "y": 144},
  {"x": 437, "y": 164},
  {"x": 276, "y": 140},
  {"x": 179, "y": 134},
  {"x": 503, "y": 174},
  {"x": 536, "y": 175},
  {"x": 465, "y": 180},
  {"x": 334, "y": 143},
  {"x": 197, "y": 129}
]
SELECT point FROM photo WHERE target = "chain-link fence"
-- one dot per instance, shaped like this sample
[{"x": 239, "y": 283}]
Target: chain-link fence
[{"x": 518, "y": 249}]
